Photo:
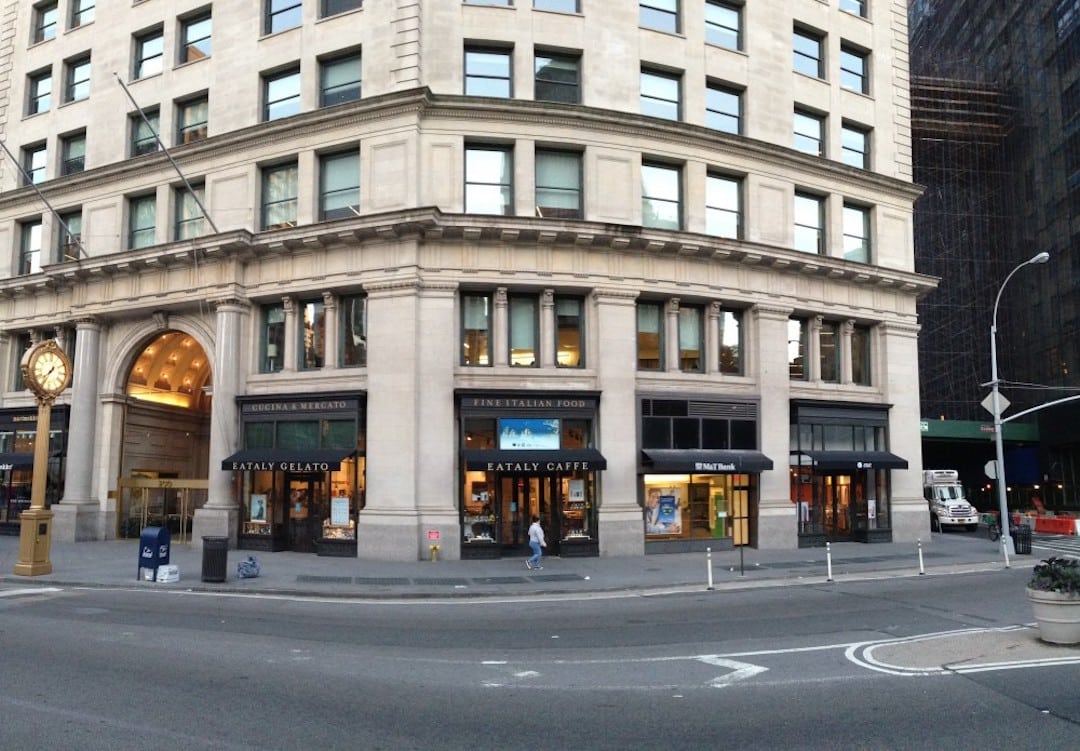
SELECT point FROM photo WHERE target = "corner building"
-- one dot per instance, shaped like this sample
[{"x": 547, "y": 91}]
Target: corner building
[{"x": 367, "y": 278}]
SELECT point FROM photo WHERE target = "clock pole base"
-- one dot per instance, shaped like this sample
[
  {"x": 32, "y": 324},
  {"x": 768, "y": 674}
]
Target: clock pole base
[{"x": 35, "y": 539}]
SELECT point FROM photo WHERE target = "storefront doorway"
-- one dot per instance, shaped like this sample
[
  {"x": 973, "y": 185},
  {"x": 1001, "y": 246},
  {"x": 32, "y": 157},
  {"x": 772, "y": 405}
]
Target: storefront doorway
[
  {"x": 838, "y": 508},
  {"x": 520, "y": 498},
  {"x": 308, "y": 506}
]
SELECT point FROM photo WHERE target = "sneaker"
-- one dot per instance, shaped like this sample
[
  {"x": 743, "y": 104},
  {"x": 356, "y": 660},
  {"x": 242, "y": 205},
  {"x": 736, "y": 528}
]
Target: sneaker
[
  {"x": 539, "y": 568},
  {"x": 528, "y": 565}
]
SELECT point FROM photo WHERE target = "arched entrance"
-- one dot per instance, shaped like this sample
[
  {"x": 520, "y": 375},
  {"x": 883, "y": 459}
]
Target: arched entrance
[{"x": 166, "y": 437}]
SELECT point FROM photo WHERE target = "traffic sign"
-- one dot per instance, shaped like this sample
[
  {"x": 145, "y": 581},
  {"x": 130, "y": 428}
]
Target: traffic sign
[
  {"x": 988, "y": 403},
  {"x": 991, "y": 469}
]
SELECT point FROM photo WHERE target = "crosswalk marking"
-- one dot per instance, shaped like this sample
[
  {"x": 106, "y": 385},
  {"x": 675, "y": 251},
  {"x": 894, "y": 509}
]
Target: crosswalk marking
[
  {"x": 28, "y": 591},
  {"x": 1069, "y": 544}
]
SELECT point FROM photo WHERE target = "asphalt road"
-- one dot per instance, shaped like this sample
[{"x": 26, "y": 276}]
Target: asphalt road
[{"x": 758, "y": 669}]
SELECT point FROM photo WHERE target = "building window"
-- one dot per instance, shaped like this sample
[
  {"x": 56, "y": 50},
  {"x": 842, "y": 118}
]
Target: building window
[
  {"x": 35, "y": 162},
  {"x": 853, "y": 70},
  {"x": 149, "y": 54},
  {"x": 192, "y": 119},
  {"x": 731, "y": 344},
  {"x": 809, "y": 223},
  {"x": 272, "y": 341},
  {"x": 796, "y": 349},
  {"x": 475, "y": 329},
  {"x": 489, "y": 180},
  {"x": 143, "y": 132},
  {"x": 559, "y": 6},
  {"x": 45, "y": 15},
  {"x": 723, "y": 206},
  {"x": 662, "y": 15},
  {"x": 829, "y": 351},
  {"x": 808, "y": 54},
  {"x": 558, "y": 184},
  {"x": 190, "y": 221},
  {"x": 855, "y": 146},
  {"x": 691, "y": 339},
  {"x": 569, "y": 332},
  {"x": 30, "y": 247},
  {"x": 650, "y": 336},
  {"x": 723, "y": 24},
  {"x": 339, "y": 185},
  {"x": 660, "y": 95},
  {"x": 82, "y": 12},
  {"x": 856, "y": 233},
  {"x": 522, "y": 315},
  {"x": 312, "y": 333},
  {"x": 77, "y": 80},
  {"x": 488, "y": 73},
  {"x": 809, "y": 133},
  {"x": 334, "y": 7},
  {"x": 195, "y": 37},
  {"x": 857, "y": 7},
  {"x": 353, "y": 331},
  {"x": 39, "y": 88},
  {"x": 558, "y": 78},
  {"x": 661, "y": 196},
  {"x": 860, "y": 356},
  {"x": 283, "y": 14},
  {"x": 73, "y": 153},
  {"x": 142, "y": 218},
  {"x": 723, "y": 108},
  {"x": 281, "y": 94},
  {"x": 68, "y": 242},
  {"x": 339, "y": 80},
  {"x": 280, "y": 188}
]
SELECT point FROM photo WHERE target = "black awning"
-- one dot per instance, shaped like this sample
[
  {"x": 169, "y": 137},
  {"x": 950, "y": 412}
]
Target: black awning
[
  {"x": 534, "y": 462},
  {"x": 16, "y": 461},
  {"x": 848, "y": 460},
  {"x": 287, "y": 460},
  {"x": 706, "y": 461}
]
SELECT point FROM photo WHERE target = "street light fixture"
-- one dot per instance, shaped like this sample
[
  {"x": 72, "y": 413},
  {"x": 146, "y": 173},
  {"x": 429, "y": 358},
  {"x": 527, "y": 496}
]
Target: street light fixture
[{"x": 1003, "y": 504}]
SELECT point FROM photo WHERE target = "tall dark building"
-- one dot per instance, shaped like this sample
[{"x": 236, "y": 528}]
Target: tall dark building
[{"x": 996, "y": 143}]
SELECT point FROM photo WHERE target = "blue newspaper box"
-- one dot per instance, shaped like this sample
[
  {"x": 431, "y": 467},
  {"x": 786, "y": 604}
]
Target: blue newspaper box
[{"x": 153, "y": 549}]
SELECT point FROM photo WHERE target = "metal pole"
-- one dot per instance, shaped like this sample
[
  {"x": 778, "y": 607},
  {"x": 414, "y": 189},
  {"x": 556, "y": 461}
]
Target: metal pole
[
  {"x": 922, "y": 570},
  {"x": 999, "y": 445},
  {"x": 708, "y": 563}
]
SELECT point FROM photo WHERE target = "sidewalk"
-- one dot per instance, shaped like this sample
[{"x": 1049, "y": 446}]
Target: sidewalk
[{"x": 115, "y": 564}]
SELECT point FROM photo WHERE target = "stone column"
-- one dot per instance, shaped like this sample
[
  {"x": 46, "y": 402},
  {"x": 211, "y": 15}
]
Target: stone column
[
  {"x": 547, "y": 329},
  {"x": 330, "y": 331},
  {"x": 712, "y": 338},
  {"x": 845, "y": 351},
  {"x": 500, "y": 329},
  {"x": 219, "y": 516},
  {"x": 671, "y": 336},
  {"x": 768, "y": 343},
  {"x": 289, "y": 356},
  {"x": 76, "y": 516},
  {"x": 620, "y": 521},
  {"x": 813, "y": 349}
]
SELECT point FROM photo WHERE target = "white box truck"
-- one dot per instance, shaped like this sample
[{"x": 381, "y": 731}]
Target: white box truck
[{"x": 948, "y": 506}]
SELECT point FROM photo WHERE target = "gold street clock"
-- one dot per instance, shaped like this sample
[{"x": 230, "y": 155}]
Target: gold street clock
[{"x": 46, "y": 369}]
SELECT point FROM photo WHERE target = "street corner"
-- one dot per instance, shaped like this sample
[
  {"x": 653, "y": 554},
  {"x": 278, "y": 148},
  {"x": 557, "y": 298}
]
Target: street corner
[{"x": 962, "y": 651}]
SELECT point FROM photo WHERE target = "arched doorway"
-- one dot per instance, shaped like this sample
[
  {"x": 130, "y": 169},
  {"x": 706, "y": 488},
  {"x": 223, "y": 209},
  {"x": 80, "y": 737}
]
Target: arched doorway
[{"x": 166, "y": 437}]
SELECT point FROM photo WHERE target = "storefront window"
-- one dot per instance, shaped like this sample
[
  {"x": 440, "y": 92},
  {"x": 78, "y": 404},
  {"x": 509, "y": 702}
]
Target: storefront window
[
  {"x": 312, "y": 332},
  {"x": 259, "y": 435},
  {"x": 679, "y": 506},
  {"x": 297, "y": 435},
  {"x": 354, "y": 331},
  {"x": 480, "y": 433}
]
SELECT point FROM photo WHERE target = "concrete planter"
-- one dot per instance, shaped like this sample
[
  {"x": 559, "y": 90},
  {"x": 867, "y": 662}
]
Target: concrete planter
[{"x": 1057, "y": 614}]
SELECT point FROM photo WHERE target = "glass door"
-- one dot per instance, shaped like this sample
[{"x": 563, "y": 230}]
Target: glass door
[
  {"x": 838, "y": 508},
  {"x": 520, "y": 498},
  {"x": 308, "y": 506}
]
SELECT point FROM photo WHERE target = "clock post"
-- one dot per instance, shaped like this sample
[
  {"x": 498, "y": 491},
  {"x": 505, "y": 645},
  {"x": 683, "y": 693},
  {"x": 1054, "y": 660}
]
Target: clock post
[{"x": 47, "y": 372}]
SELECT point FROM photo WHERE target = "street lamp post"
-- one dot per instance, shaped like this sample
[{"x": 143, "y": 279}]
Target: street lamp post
[{"x": 1003, "y": 504}]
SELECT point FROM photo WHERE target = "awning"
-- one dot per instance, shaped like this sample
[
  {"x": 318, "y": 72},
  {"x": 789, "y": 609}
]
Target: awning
[
  {"x": 532, "y": 462},
  {"x": 848, "y": 460},
  {"x": 287, "y": 460},
  {"x": 16, "y": 461},
  {"x": 707, "y": 461}
]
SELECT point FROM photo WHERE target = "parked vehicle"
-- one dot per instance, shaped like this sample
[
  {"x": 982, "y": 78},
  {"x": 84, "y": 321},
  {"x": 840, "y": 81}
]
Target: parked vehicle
[{"x": 948, "y": 506}]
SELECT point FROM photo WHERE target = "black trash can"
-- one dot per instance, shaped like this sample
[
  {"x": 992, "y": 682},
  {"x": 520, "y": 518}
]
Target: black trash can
[
  {"x": 1022, "y": 539},
  {"x": 215, "y": 558}
]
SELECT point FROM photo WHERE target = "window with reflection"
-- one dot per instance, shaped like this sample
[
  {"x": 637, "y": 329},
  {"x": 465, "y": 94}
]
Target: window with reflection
[
  {"x": 558, "y": 184},
  {"x": 312, "y": 333},
  {"x": 691, "y": 339},
  {"x": 731, "y": 342},
  {"x": 723, "y": 205},
  {"x": 30, "y": 247},
  {"x": 796, "y": 349},
  {"x": 475, "y": 329},
  {"x": 189, "y": 215},
  {"x": 280, "y": 188},
  {"x": 488, "y": 72},
  {"x": 650, "y": 335},
  {"x": 272, "y": 341},
  {"x": 723, "y": 108},
  {"x": 339, "y": 185},
  {"x": 524, "y": 326},
  {"x": 489, "y": 180},
  {"x": 856, "y": 233},
  {"x": 142, "y": 221},
  {"x": 569, "y": 332},
  {"x": 860, "y": 356},
  {"x": 558, "y": 78},
  {"x": 143, "y": 131},
  {"x": 353, "y": 331},
  {"x": 829, "y": 351},
  {"x": 661, "y": 94},
  {"x": 339, "y": 80},
  {"x": 195, "y": 37},
  {"x": 661, "y": 196}
]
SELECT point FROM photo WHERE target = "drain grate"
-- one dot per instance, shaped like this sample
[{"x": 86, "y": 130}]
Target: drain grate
[
  {"x": 380, "y": 581},
  {"x": 500, "y": 580},
  {"x": 442, "y": 582},
  {"x": 309, "y": 579}
]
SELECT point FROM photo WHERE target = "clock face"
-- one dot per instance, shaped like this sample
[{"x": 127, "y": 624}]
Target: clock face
[{"x": 50, "y": 372}]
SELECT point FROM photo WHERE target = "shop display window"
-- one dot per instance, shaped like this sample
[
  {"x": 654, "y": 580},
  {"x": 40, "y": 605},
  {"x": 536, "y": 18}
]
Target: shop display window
[{"x": 696, "y": 506}]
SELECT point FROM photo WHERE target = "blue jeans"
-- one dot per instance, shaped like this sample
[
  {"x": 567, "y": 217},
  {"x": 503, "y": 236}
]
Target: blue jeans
[{"x": 534, "y": 559}]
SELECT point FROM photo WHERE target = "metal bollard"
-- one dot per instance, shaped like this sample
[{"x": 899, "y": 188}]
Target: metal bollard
[
  {"x": 828, "y": 559},
  {"x": 708, "y": 563},
  {"x": 922, "y": 570},
  {"x": 434, "y": 550}
]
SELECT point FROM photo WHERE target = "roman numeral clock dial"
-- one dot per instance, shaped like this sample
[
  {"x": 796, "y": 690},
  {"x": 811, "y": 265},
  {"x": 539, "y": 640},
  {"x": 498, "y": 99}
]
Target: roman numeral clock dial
[{"x": 46, "y": 369}]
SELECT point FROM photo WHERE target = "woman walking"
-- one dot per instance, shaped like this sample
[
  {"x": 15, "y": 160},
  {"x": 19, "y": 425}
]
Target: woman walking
[{"x": 536, "y": 542}]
